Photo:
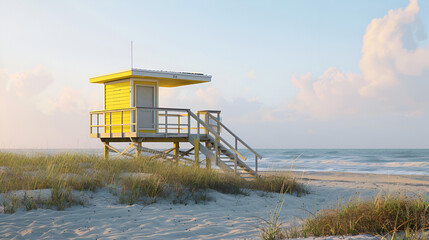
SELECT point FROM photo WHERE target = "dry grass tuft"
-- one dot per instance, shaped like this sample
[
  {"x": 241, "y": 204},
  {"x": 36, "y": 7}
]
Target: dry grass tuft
[
  {"x": 385, "y": 215},
  {"x": 279, "y": 184}
]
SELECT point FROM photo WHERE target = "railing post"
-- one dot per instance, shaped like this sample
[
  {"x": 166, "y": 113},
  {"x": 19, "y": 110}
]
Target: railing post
[
  {"x": 218, "y": 125},
  {"x": 189, "y": 123},
  {"x": 136, "y": 121},
  {"x": 131, "y": 121},
  {"x": 156, "y": 121},
  {"x": 166, "y": 120},
  {"x": 217, "y": 149},
  {"x": 98, "y": 123},
  {"x": 122, "y": 123},
  {"x": 110, "y": 124},
  {"x": 235, "y": 157},
  {"x": 90, "y": 123},
  {"x": 178, "y": 124},
  {"x": 198, "y": 127},
  {"x": 206, "y": 120}
]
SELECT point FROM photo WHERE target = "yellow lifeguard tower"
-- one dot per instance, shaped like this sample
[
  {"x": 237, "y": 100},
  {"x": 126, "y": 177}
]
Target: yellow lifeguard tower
[{"x": 132, "y": 114}]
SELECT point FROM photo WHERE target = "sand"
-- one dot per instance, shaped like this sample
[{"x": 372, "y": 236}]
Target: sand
[{"x": 225, "y": 217}]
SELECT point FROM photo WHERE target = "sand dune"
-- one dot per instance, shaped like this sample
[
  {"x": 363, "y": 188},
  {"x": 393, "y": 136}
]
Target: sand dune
[{"x": 226, "y": 217}]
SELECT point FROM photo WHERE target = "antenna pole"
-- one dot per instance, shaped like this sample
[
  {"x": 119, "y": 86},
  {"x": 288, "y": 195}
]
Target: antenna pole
[{"x": 131, "y": 54}]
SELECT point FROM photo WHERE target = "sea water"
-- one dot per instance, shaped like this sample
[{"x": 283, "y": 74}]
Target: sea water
[{"x": 378, "y": 161}]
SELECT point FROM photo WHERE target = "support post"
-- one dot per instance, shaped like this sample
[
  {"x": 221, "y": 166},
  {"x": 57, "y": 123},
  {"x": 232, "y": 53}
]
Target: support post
[
  {"x": 176, "y": 151},
  {"x": 208, "y": 161},
  {"x": 139, "y": 149},
  {"x": 197, "y": 152},
  {"x": 106, "y": 151},
  {"x": 256, "y": 165}
]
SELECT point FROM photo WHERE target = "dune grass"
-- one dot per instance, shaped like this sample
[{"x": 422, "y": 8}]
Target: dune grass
[
  {"x": 65, "y": 173},
  {"x": 279, "y": 184},
  {"x": 385, "y": 215},
  {"x": 388, "y": 216}
]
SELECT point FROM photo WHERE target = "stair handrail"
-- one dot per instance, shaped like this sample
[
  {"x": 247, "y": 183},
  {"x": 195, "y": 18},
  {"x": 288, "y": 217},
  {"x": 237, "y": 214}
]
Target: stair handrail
[
  {"x": 214, "y": 132},
  {"x": 234, "y": 135}
]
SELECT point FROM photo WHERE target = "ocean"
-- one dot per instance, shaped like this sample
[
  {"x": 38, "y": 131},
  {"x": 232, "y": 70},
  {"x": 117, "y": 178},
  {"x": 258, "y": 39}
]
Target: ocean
[{"x": 377, "y": 161}]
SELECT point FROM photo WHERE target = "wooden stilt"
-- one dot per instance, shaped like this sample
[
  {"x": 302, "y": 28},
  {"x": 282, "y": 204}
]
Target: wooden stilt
[
  {"x": 208, "y": 161},
  {"x": 139, "y": 149},
  {"x": 106, "y": 150},
  {"x": 176, "y": 151},
  {"x": 197, "y": 152}
]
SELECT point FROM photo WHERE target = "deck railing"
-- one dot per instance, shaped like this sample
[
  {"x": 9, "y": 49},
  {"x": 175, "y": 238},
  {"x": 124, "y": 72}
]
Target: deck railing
[
  {"x": 167, "y": 122},
  {"x": 237, "y": 140},
  {"x": 103, "y": 121}
]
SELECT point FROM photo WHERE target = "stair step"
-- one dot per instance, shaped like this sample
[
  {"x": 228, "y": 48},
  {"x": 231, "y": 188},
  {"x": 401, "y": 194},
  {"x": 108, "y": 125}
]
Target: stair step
[{"x": 226, "y": 158}]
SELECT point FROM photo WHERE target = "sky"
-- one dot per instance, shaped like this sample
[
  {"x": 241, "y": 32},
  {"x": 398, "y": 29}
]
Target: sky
[{"x": 285, "y": 74}]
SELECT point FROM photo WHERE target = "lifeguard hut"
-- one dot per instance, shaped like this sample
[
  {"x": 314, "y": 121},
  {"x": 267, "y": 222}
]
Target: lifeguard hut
[{"x": 132, "y": 114}]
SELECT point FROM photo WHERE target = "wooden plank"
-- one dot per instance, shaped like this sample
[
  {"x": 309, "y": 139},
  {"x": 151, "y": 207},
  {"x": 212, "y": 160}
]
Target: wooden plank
[{"x": 125, "y": 151}]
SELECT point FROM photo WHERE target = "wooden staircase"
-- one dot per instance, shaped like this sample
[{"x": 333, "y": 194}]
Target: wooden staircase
[
  {"x": 222, "y": 153},
  {"x": 225, "y": 158}
]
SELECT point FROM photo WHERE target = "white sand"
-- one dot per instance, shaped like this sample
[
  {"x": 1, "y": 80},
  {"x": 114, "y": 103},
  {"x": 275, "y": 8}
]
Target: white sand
[{"x": 227, "y": 217}]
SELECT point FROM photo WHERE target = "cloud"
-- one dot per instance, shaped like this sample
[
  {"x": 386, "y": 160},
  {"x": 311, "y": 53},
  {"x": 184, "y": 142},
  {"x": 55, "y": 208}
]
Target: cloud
[
  {"x": 331, "y": 94},
  {"x": 394, "y": 70},
  {"x": 68, "y": 100},
  {"x": 30, "y": 83},
  {"x": 44, "y": 121},
  {"x": 251, "y": 74},
  {"x": 210, "y": 96}
]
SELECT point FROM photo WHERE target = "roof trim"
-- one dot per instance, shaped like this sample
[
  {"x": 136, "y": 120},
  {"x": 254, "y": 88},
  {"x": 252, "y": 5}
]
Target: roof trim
[{"x": 191, "y": 78}]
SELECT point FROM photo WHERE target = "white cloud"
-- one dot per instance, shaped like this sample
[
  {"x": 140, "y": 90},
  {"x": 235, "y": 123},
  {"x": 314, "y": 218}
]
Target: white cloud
[
  {"x": 30, "y": 83},
  {"x": 392, "y": 73},
  {"x": 45, "y": 122},
  {"x": 251, "y": 74},
  {"x": 331, "y": 94},
  {"x": 68, "y": 100}
]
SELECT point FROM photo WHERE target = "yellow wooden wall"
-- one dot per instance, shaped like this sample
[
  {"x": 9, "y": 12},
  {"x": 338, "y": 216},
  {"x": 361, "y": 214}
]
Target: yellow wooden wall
[{"x": 117, "y": 96}]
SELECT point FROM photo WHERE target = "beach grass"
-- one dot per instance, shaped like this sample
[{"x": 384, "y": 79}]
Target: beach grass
[
  {"x": 285, "y": 183},
  {"x": 386, "y": 214},
  {"x": 132, "y": 179},
  {"x": 390, "y": 216}
]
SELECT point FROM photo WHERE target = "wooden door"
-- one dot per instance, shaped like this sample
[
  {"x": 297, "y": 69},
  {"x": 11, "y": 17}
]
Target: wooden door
[{"x": 145, "y": 97}]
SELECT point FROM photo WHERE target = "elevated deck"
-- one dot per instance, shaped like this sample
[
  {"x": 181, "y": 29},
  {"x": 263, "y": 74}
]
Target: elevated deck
[{"x": 204, "y": 131}]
